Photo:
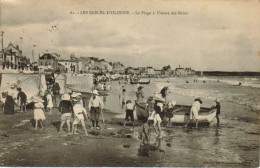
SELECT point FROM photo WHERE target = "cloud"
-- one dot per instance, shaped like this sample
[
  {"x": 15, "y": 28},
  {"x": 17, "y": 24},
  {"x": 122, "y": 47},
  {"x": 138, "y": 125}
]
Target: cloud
[{"x": 219, "y": 35}]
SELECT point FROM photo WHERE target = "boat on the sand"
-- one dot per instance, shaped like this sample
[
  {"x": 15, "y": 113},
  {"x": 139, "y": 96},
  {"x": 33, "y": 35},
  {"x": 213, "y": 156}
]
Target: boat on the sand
[
  {"x": 179, "y": 115},
  {"x": 140, "y": 82}
]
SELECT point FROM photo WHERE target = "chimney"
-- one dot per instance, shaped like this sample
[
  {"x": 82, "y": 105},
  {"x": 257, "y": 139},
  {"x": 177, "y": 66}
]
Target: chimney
[
  {"x": 179, "y": 66},
  {"x": 17, "y": 46}
]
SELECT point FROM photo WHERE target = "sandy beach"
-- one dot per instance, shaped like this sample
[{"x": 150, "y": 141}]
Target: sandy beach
[{"x": 234, "y": 144}]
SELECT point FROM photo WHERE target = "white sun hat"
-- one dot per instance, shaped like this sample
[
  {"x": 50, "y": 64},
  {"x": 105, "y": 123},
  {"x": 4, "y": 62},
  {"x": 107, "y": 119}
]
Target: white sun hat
[
  {"x": 172, "y": 103},
  {"x": 95, "y": 92},
  {"x": 65, "y": 97},
  {"x": 75, "y": 94},
  {"x": 158, "y": 97},
  {"x": 36, "y": 99}
]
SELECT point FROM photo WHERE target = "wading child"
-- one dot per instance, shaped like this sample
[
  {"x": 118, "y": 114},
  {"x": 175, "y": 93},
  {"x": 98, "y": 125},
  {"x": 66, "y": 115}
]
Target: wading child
[
  {"x": 158, "y": 110},
  {"x": 129, "y": 112},
  {"x": 79, "y": 117},
  {"x": 145, "y": 130},
  {"x": 123, "y": 91},
  {"x": 66, "y": 108},
  {"x": 38, "y": 111},
  {"x": 150, "y": 106},
  {"x": 218, "y": 110},
  {"x": 22, "y": 99},
  {"x": 49, "y": 101}
]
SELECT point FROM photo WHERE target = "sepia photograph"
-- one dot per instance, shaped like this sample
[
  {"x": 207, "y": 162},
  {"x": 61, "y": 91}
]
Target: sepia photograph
[{"x": 129, "y": 83}]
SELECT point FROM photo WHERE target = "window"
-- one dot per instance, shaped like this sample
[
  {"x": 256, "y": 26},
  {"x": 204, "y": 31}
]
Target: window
[{"x": 46, "y": 64}]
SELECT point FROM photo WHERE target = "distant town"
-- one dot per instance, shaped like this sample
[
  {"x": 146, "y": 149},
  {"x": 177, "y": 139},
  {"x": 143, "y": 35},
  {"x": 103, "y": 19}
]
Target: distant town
[{"x": 13, "y": 61}]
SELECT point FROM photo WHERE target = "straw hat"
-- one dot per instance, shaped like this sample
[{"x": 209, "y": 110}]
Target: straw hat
[
  {"x": 198, "y": 99},
  {"x": 36, "y": 99},
  {"x": 12, "y": 86},
  {"x": 95, "y": 92},
  {"x": 75, "y": 94},
  {"x": 158, "y": 97},
  {"x": 172, "y": 103},
  {"x": 65, "y": 97}
]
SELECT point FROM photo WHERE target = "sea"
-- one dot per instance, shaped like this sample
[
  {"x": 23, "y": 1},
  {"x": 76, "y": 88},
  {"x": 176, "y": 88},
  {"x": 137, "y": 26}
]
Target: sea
[{"x": 235, "y": 143}]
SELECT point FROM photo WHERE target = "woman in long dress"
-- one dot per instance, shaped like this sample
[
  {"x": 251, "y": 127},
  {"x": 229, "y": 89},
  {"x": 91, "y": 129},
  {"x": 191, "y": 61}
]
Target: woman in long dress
[
  {"x": 9, "y": 102},
  {"x": 49, "y": 101}
]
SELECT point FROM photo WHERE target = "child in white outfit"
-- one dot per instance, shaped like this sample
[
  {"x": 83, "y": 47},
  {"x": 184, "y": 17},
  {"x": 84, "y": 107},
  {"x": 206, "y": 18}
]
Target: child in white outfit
[
  {"x": 38, "y": 112},
  {"x": 79, "y": 117},
  {"x": 49, "y": 101}
]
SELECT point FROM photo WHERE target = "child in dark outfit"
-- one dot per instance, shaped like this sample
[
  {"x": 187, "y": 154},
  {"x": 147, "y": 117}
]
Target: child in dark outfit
[
  {"x": 22, "y": 99},
  {"x": 129, "y": 112},
  {"x": 218, "y": 110}
]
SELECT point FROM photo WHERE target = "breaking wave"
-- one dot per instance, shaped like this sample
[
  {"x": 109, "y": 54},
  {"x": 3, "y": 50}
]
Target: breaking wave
[{"x": 247, "y": 82}]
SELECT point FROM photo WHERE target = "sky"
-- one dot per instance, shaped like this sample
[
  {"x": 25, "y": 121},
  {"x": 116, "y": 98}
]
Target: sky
[{"x": 221, "y": 35}]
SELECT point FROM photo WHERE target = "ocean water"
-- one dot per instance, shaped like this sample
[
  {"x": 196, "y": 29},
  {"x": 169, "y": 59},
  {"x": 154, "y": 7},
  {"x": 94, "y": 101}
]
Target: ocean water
[{"x": 234, "y": 143}]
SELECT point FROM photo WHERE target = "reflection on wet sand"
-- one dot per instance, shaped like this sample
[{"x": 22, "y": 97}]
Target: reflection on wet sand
[{"x": 147, "y": 149}]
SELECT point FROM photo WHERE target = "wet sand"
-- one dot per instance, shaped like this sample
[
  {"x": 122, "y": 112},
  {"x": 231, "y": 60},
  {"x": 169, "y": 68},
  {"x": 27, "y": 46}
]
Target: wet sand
[{"x": 113, "y": 145}]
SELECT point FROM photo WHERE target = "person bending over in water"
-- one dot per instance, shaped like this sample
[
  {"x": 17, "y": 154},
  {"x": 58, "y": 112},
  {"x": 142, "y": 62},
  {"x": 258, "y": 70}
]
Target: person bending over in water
[
  {"x": 194, "y": 112},
  {"x": 144, "y": 132}
]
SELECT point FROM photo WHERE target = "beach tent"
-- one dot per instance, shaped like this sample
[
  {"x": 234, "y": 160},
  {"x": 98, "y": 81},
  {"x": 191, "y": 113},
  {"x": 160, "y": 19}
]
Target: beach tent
[
  {"x": 61, "y": 80},
  {"x": 30, "y": 84}
]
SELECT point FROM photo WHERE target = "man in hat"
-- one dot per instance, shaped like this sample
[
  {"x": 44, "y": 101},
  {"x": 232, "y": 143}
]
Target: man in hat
[
  {"x": 218, "y": 110},
  {"x": 140, "y": 94},
  {"x": 95, "y": 106},
  {"x": 194, "y": 112},
  {"x": 22, "y": 99}
]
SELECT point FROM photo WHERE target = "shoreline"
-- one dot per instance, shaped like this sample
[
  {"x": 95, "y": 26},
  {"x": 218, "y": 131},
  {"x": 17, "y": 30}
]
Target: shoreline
[{"x": 234, "y": 143}]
